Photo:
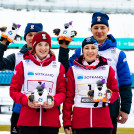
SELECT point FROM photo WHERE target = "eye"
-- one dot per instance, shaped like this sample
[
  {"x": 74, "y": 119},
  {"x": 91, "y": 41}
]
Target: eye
[
  {"x": 40, "y": 44},
  {"x": 46, "y": 44},
  {"x": 102, "y": 27},
  {"x": 95, "y": 27},
  {"x": 86, "y": 48},
  {"x": 93, "y": 48}
]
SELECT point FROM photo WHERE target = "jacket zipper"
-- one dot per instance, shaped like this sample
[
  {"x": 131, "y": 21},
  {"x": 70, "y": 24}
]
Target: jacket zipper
[
  {"x": 41, "y": 64},
  {"x": 91, "y": 117}
]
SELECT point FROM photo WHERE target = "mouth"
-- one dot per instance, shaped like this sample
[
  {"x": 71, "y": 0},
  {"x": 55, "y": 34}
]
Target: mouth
[
  {"x": 42, "y": 51},
  {"x": 99, "y": 36},
  {"x": 90, "y": 55}
]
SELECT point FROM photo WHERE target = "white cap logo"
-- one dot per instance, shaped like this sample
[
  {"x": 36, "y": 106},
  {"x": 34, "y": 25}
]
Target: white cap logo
[
  {"x": 88, "y": 39},
  {"x": 44, "y": 37},
  {"x": 32, "y": 27},
  {"x": 98, "y": 18}
]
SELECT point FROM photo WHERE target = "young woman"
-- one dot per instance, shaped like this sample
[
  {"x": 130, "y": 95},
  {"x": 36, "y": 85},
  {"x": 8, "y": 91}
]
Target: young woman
[
  {"x": 39, "y": 66},
  {"x": 116, "y": 59},
  {"x": 13, "y": 59},
  {"x": 87, "y": 117}
]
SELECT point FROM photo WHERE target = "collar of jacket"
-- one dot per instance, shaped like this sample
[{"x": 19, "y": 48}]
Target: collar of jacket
[
  {"x": 29, "y": 56},
  {"x": 24, "y": 49},
  {"x": 78, "y": 62},
  {"x": 109, "y": 43}
]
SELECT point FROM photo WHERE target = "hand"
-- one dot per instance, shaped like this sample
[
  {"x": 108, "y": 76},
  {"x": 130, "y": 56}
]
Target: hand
[
  {"x": 33, "y": 104},
  {"x": 4, "y": 42},
  {"x": 63, "y": 45},
  {"x": 108, "y": 94},
  {"x": 122, "y": 117},
  {"x": 48, "y": 106},
  {"x": 68, "y": 131}
]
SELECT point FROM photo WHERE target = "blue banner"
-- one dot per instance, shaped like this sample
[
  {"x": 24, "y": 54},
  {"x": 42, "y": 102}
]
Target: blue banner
[
  {"x": 122, "y": 43},
  {"x": 125, "y": 43}
]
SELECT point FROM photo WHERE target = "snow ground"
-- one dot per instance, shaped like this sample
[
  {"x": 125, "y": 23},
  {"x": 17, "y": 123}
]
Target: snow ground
[{"x": 6, "y": 132}]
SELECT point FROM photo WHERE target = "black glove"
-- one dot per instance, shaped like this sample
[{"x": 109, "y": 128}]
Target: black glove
[
  {"x": 67, "y": 127},
  {"x": 31, "y": 98}
]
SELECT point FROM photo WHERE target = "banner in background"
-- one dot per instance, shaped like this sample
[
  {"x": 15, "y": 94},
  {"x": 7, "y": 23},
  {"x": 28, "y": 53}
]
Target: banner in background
[{"x": 122, "y": 43}]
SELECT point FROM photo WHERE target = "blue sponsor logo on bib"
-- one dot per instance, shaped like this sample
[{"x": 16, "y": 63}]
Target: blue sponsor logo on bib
[
  {"x": 80, "y": 77},
  {"x": 30, "y": 73}
]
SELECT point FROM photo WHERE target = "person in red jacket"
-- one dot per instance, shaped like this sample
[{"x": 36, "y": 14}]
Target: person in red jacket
[
  {"x": 9, "y": 63},
  {"x": 39, "y": 66},
  {"x": 88, "y": 84}
]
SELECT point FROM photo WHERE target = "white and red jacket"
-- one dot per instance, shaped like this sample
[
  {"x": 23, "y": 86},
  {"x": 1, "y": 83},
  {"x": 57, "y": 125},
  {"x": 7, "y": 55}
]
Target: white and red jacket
[
  {"x": 25, "y": 80},
  {"x": 85, "y": 115}
]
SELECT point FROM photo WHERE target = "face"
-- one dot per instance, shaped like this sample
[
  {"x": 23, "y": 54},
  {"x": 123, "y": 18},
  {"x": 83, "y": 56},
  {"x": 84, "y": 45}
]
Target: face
[
  {"x": 42, "y": 50},
  {"x": 99, "y": 32},
  {"x": 29, "y": 38},
  {"x": 90, "y": 52}
]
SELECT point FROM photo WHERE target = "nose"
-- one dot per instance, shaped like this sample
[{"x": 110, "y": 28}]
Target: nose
[
  {"x": 99, "y": 30},
  {"x": 89, "y": 50}
]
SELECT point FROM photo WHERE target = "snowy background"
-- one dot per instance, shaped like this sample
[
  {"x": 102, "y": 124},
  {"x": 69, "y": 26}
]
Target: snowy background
[{"x": 121, "y": 26}]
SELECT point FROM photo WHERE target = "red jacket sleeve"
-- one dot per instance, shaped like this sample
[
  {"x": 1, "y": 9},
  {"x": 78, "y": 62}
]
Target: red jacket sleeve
[
  {"x": 16, "y": 85},
  {"x": 60, "y": 87},
  {"x": 112, "y": 85},
  {"x": 69, "y": 101}
]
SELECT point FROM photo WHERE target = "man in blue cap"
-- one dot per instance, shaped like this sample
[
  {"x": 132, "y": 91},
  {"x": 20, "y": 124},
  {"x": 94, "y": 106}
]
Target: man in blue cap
[
  {"x": 116, "y": 58},
  {"x": 13, "y": 59}
]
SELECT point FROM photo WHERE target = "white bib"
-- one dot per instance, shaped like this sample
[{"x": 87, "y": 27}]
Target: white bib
[
  {"x": 83, "y": 80},
  {"x": 34, "y": 73}
]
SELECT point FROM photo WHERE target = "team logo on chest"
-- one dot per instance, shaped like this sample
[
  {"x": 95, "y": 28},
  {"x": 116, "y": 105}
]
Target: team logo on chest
[
  {"x": 54, "y": 65},
  {"x": 113, "y": 50}
]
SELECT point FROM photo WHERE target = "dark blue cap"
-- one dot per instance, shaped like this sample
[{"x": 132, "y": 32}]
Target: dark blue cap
[
  {"x": 89, "y": 40},
  {"x": 32, "y": 27},
  {"x": 100, "y": 18}
]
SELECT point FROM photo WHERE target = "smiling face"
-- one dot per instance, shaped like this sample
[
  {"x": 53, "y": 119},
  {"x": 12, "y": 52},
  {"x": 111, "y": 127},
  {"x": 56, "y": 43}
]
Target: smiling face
[
  {"x": 90, "y": 52},
  {"x": 42, "y": 49},
  {"x": 29, "y": 38},
  {"x": 99, "y": 32}
]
